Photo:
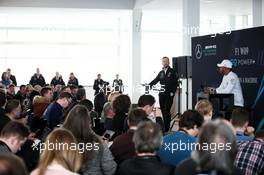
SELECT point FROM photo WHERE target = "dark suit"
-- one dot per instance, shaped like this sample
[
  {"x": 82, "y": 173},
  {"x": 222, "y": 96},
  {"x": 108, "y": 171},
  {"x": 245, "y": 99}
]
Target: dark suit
[
  {"x": 169, "y": 83},
  {"x": 118, "y": 85},
  {"x": 149, "y": 165},
  {"x": 37, "y": 80},
  {"x": 56, "y": 81},
  {"x": 96, "y": 85},
  {"x": 74, "y": 82}
]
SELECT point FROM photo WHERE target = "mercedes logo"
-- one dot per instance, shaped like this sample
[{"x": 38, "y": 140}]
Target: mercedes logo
[{"x": 198, "y": 51}]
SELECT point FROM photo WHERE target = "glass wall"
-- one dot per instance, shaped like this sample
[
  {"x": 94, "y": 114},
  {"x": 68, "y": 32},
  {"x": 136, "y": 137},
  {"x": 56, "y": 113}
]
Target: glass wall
[{"x": 85, "y": 42}]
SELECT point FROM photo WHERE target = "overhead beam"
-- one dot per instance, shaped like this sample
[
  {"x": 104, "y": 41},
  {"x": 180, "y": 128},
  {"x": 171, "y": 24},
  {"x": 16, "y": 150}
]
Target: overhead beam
[
  {"x": 141, "y": 3},
  {"x": 90, "y": 4}
]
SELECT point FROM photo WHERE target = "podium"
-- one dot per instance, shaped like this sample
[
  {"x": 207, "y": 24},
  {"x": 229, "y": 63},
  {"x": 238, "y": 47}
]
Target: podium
[{"x": 223, "y": 104}]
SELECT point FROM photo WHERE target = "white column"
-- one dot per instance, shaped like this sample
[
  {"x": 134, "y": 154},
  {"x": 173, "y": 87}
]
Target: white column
[
  {"x": 257, "y": 11},
  {"x": 136, "y": 54},
  {"x": 191, "y": 26}
]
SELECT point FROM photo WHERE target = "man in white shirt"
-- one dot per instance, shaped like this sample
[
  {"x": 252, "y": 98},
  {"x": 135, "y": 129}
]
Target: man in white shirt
[{"x": 230, "y": 83}]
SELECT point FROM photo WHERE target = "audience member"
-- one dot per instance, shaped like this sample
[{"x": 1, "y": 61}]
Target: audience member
[
  {"x": 10, "y": 93},
  {"x": 215, "y": 152},
  {"x": 57, "y": 80},
  {"x": 97, "y": 160},
  {"x": 121, "y": 106},
  {"x": 11, "y": 77},
  {"x": 13, "y": 136},
  {"x": 2, "y": 104},
  {"x": 54, "y": 111},
  {"x": 189, "y": 124},
  {"x": 250, "y": 156},
  {"x": 6, "y": 81},
  {"x": 107, "y": 116},
  {"x": 21, "y": 94},
  {"x": 12, "y": 165},
  {"x": 63, "y": 159},
  {"x": 123, "y": 147},
  {"x": 37, "y": 79},
  {"x": 240, "y": 120},
  {"x": 147, "y": 102},
  {"x": 147, "y": 139},
  {"x": 81, "y": 94},
  {"x": 205, "y": 108},
  {"x": 12, "y": 112},
  {"x": 73, "y": 80}
]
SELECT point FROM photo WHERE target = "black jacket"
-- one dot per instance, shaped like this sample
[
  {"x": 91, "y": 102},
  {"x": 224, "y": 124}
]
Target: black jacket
[
  {"x": 74, "y": 82},
  {"x": 55, "y": 82},
  {"x": 147, "y": 165},
  {"x": 169, "y": 80},
  {"x": 96, "y": 85},
  {"x": 35, "y": 80},
  {"x": 118, "y": 85}
]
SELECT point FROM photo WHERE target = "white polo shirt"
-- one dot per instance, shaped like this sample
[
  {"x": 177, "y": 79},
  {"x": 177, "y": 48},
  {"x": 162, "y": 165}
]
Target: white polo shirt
[{"x": 231, "y": 85}]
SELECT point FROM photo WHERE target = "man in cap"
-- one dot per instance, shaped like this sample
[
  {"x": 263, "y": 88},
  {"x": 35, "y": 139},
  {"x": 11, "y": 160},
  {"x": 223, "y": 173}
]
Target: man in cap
[{"x": 230, "y": 83}]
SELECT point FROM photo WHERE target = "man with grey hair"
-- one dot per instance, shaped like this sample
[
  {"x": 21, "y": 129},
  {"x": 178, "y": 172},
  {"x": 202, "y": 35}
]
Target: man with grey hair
[{"x": 147, "y": 139}]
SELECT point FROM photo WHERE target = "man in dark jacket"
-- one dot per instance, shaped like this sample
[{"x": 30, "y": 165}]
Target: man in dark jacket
[
  {"x": 37, "y": 79},
  {"x": 118, "y": 84},
  {"x": 13, "y": 136},
  {"x": 147, "y": 139},
  {"x": 57, "y": 80},
  {"x": 99, "y": 84},
  {"x": 169, "y": 82},
  {"x": 54, "y": 112},
  {"x": 123, "y": 147}
]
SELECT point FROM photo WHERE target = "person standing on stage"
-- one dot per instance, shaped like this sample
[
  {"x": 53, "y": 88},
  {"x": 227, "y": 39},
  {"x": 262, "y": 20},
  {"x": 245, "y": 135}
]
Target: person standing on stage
[
  {"x": 169, "y": 82},
  {"x": 99, "y": 84},
  {"x": 118, "y": 84},
  {"x": 230, "y": 83}
]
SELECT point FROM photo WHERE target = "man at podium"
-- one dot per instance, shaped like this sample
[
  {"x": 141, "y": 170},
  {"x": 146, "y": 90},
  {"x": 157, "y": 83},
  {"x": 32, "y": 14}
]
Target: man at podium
[{"x": 230, "y": 83}]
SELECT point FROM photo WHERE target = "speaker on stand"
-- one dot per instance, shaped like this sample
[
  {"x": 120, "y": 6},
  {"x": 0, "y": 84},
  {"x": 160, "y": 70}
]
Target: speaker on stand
[{"x": 183, "y": 68}]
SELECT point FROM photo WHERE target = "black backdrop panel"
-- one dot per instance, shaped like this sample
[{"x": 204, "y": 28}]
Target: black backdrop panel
[{"x": 245, "y": 48}]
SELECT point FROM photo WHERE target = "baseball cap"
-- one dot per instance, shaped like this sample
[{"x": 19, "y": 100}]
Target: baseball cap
[{"x": 225, "y": 63}]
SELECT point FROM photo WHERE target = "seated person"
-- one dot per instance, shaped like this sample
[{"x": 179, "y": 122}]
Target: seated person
[
  {"x": 107, "y": 116},
  {"x": 12, "y": 165},
  {"x": 205, "y": 108},
  {"x": 239, "y": 120},
  {"x": 123, "y": 147},
  {"x": 13, "y": 136},
  {"x": 59, "y": 161},
  {"x": 147, "y": 139},
  {"x": 171, "y": 151},
  {"x": 54, "y": 112},
  {"x": 12, "y": 112},
  {"x": 147, "y": 102},
  {"x": 215, "y": 152},
  {"x": 248, "y": 150}
]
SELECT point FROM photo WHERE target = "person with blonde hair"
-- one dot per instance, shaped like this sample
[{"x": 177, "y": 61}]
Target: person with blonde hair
[
  {"x": 205, "y": 108},
  {"x": 63, "y": 159}
]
